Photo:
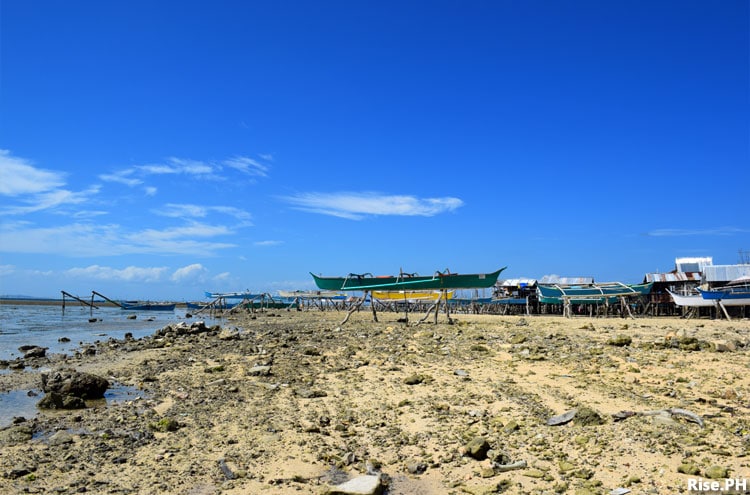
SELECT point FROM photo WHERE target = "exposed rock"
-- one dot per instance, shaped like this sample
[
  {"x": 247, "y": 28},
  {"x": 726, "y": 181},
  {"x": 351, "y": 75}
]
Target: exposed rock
[
  {"x": 33, "y": 351},
  {"x": 83, "y": 385},
  {"x": 16, "y": 434},
  {"x": 361, "y": 485},
  {"x": 54, "y": 400},
  {"x": 724, "y": 346},
  {"x": 716, "y": 472},
  {"x": 477, "y": 448},
  {"x": 259, "y": 371},
  {"x": 620, "y": 341}
]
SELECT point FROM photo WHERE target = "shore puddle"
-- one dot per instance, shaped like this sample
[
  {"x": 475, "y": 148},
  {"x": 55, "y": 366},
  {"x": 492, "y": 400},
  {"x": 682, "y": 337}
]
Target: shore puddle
[{"x": 23, "y": 402}]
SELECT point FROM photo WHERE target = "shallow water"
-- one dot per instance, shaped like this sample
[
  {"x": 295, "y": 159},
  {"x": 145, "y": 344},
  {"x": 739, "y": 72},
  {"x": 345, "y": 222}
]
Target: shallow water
[
  {"x": 23, "y": 402},
  {"x": 47, "y": 325}
]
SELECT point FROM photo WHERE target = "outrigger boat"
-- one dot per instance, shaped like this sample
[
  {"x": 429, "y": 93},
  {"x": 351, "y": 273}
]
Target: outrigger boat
[
  {"x": 146, "y": 306},
  {"x": 691, "y": 300},
  {"x": 311, "y": 294},
  {"x": 233, "y": 295},
  {"x": 404, "y": 281},
  {"x": 590, "y": 294},
  {"x": 729, "y": 295},
  {"x": 441, "y": 282}
]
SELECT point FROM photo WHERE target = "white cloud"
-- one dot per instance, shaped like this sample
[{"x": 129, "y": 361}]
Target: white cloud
[
  {"x": 719, "y": 231},
  {"x": 83, "y": 239},
  {"x": 6, "y": 270},
  {"x": 122, "y": 177},
  {"x": 268, "y": 243},
  {"x": 18, "y": 177},
  {"x": 129, "y": 274},
  {"x": 49, "y": 200},
  {"x": 191, "y": 167},
  {"x": 355, "y": 206},
  {"x": 194, "y": 272},
  {"x": 222, "y": 277},
  {"x": 247, "y": 166},
  {"x": 177, "y": 210},
  {"x": 35, "y": 189}
]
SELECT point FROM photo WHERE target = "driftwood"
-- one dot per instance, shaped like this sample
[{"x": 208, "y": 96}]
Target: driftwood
[{"x": 359, "y": 305}]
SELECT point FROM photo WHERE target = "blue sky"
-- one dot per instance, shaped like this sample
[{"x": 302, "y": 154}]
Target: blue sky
[{"x": 151, "y": 151}]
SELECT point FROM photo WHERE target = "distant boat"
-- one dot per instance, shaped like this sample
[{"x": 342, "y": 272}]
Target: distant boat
[
  {"x": 409, "y": 295},
  {"x": 438, "y": 281},
  {"x": 311, "y": 294},
  {"x": 147, "y": 306},
  {"x": 226, "y": 305},
  {"x": 233, "y": 295},
  {"x": 691, "y": 300},
  {"x": 590, "y": 294}
]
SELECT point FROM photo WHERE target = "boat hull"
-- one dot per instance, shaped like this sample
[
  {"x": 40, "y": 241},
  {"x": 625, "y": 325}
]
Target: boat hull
[
  {"x": 311, "y": 294},
  {"x": 148, "y": 307},
  {"x": 597, "y": 294},
  {"x": 692, "y": 301},
  {"x": 438, "y": 281},
  {"x": 728, "y": 296},
  {"x": 409, "y": 295},
  {"x": 233, "y": 295}
]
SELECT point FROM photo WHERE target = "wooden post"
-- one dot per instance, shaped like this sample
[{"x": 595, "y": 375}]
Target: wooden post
[
  {"x": 726, "y": 313},
  {"x": 372, "y": 305},
  {"x": 444, "y": 295}
]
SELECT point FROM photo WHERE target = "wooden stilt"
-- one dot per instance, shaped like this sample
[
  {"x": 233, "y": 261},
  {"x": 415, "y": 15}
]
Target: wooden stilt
[
  {"x": 372, "y": 305},
  {"x": 726, "y": 313},
  {"x": 82, "y": 301}
]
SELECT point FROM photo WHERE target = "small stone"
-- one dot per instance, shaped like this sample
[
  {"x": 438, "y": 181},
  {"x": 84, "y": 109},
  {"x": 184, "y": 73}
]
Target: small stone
[
  {"x": 417, "y": 467},
  {"x": 534, "y": 473},
  {"x": 60, "y": 438},
  {"x": 477, "y": 448},
  {"x": 259, "y": 371},
  {"x": 724, "y": 346},
  {"x": 620, "y": 341}
]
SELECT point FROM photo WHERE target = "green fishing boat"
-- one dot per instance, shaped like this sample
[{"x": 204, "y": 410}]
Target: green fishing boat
[
  {"x": 590, "y": 294},
  {"x": 438, "y": 281}
]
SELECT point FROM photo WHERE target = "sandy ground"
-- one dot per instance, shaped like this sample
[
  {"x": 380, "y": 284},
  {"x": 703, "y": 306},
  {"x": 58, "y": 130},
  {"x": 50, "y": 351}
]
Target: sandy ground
[{"x": 294, "y": 402}]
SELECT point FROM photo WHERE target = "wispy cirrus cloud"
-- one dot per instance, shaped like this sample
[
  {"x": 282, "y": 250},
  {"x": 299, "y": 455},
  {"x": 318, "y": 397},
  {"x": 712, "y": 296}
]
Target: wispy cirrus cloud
[
  {"x": 268, "y": 243},
  {"x": 204, "y": 170},
  {"x": 18, "y": 176},
  {"x": 247, "y": 166},
  {"x": 358, "y": 205},
  {"x": 122, "y": 177},
  {"x": 183, "y": 210},
  {"x": 35, "y": 189},
  {"x": 718, "y": 231}
]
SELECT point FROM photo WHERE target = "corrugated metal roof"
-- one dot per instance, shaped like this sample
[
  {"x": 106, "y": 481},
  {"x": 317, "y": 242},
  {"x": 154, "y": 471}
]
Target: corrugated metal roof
[
  {"x": 725, "y": 273},
  {"x": 554, "y": 279},
  {"x": 672, "y": 277},
  {"x": 692, "y": 264},
  {"x": 517, "y": 282}
]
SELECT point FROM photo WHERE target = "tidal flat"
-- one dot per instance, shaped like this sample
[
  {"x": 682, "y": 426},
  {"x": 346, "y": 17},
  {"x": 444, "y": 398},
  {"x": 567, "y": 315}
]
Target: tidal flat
[{"x": 287, "y": 402}]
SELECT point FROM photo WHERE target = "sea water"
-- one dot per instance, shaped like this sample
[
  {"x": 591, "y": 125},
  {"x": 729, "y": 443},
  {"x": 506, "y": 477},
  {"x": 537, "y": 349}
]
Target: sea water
[{"x": 65, "y": 332}]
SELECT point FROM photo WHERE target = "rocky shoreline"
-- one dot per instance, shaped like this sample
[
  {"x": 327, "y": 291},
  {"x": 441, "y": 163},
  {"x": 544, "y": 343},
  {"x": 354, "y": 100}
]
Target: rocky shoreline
[{"x": 294, "y": 402}]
